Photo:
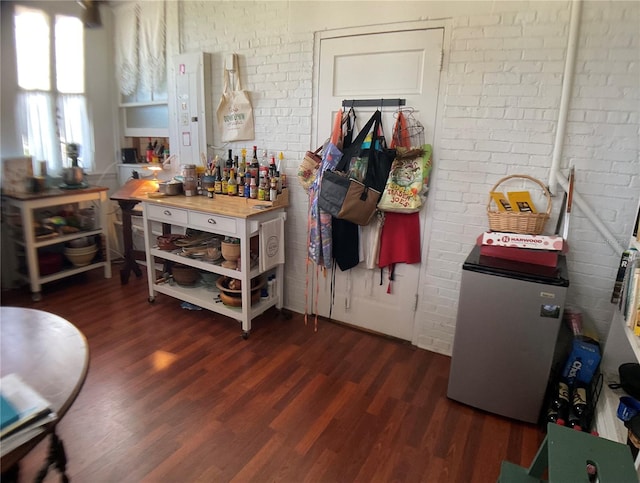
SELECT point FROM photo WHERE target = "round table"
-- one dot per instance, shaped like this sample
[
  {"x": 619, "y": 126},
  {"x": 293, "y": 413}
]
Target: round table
[{"x": 52, "y": 356}]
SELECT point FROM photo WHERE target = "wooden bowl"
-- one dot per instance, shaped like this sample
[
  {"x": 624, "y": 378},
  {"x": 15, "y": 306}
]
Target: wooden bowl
[
  {"x": 185, "y": 275},
  {"x": 233, "y": 297},
  {"x": 236, "y": 300},
  {"x": 230, "y": 251}
]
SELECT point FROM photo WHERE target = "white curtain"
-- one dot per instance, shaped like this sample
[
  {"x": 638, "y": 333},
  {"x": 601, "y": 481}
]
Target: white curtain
[
  {"x": 36, "y": 123},
  {"x": 152, "y": 45},
  {"x": 126, "y": 40},
  {"x": 73, "y": 126}
]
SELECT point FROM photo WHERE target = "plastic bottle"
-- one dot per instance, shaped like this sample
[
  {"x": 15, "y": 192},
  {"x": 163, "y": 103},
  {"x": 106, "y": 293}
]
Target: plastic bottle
[
  {"x": 264, "y": 166},
  {"x": 247, "y": 185}
]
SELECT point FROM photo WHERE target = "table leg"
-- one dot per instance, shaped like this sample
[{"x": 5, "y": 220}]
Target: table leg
[
  {"x": 57, "y": 457},
  {"x": 130, "y": 263}
]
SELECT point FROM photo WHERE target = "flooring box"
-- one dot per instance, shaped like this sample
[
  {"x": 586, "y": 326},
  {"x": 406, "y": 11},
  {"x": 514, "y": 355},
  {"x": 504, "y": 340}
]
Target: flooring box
[{"x": 516, "y": 240}]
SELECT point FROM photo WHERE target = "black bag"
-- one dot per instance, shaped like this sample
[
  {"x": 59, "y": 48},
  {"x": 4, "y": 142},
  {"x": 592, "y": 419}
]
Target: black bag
[{"x": 373, "y": 175}]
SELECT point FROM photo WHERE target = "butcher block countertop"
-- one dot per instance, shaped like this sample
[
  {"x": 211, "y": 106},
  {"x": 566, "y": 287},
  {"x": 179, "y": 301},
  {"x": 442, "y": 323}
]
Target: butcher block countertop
[{"x": 235, "y": 206}]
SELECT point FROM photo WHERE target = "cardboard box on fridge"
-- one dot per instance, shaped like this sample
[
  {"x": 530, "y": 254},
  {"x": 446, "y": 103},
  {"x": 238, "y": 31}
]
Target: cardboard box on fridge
[
  {"x": 516, "y": 240},
  {"x": 16, "y": 173}
]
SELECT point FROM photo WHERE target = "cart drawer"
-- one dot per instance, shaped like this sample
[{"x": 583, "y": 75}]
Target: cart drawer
[
  {"x": 215, "y": 223},
  {"x": 166, "y": 214}
]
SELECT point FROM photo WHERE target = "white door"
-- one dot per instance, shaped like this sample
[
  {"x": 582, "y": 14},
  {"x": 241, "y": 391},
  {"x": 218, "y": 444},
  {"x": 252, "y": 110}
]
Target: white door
[{"x": 388, "y": 65}]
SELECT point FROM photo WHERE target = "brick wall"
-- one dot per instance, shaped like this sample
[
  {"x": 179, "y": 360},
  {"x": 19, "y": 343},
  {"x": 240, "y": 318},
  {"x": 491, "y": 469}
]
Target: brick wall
[{"x": 501, "y": 90}]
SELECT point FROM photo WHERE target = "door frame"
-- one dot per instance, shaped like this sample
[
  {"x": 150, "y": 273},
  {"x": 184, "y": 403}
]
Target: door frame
[{"x": 446, "y": 25}]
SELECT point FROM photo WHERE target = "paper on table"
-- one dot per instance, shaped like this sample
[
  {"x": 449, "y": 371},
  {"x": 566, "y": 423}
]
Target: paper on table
[{"x": 29, "y": 404}]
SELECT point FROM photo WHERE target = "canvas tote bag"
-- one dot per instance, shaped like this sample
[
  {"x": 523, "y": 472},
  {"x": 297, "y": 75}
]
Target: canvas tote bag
[{"x": 235, "y": 113}]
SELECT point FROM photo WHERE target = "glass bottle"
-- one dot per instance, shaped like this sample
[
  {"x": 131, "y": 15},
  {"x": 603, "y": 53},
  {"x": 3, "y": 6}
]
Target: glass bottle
[
  {"x": 217, "y": 185},
  {"x": 255, "y": 165},
  {"x": 253, "y": 189},
  {"x": 232, "y": 185}
]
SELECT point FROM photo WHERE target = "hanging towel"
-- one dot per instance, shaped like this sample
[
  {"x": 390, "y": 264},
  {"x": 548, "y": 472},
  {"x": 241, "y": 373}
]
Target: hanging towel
[{"x": 271, "y": 244}]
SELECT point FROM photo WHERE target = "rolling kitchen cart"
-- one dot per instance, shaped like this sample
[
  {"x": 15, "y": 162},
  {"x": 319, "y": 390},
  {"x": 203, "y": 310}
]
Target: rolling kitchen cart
[
  {"x": 19, "y": 210},
  {"x": 226, "y": 216}
]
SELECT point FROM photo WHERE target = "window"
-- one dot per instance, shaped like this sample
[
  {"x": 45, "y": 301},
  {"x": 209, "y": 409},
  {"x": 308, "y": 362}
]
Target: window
[{"x": 51, "y": 103}]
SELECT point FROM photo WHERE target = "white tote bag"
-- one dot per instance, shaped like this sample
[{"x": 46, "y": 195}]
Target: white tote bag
[{"x": 235, "y": 114}]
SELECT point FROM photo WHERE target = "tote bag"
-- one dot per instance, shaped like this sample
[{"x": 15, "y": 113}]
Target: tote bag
[
  {"x": 235, "y": 113},
  {"x": 352, "y": 191}
]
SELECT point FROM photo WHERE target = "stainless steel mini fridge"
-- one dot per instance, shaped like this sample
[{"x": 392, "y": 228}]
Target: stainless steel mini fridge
[{"x": 508, "y": 322}]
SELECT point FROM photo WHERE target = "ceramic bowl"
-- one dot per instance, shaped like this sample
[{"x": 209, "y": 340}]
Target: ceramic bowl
[{"x": 81, "y": 257}]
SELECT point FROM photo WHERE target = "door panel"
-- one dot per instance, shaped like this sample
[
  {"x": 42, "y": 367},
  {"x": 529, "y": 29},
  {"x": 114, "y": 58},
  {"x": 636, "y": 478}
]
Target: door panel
[{"x": 400, "y": 64}]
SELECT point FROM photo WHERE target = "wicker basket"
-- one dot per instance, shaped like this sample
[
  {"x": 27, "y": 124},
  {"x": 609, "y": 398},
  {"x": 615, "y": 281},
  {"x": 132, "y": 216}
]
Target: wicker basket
[{"x": 515, "y": 221}]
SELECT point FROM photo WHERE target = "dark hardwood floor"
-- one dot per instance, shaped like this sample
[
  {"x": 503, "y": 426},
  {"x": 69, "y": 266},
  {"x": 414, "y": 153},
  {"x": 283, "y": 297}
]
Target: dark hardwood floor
[{"x": 174, "y": 395}]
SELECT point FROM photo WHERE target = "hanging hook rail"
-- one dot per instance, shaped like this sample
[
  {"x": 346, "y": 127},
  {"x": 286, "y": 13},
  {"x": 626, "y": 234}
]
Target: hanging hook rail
[{"x": 373, "y": 102}]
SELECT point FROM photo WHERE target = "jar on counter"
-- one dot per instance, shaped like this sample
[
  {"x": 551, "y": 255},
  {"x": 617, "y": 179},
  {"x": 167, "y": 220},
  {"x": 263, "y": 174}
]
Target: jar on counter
[{"x": 190, "y": 180}]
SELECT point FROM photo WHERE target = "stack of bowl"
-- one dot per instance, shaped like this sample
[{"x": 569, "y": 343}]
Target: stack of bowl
[{"x": 81, "y": 256}]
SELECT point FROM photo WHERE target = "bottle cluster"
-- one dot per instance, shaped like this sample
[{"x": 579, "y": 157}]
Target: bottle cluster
[{"x": 245, "y": 177}]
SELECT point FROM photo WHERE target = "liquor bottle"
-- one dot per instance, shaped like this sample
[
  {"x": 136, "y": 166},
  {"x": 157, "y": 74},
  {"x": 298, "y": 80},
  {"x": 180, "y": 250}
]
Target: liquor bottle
[
  {"x": 272, "y": 164},
  {"x": 273, "y": 192},
  {"x": 243, "y": 162},
  {"x": 217, "y": 185},
  {"x": 278, "y": 182},
  {"x": 561, "y": 397},
  {"x": 232, "y": 185},
  {"x": 255, "y": 165},
  {"x": 552, "y": 415},
  {"x": 225, "y": 181},
  {"x": 574, "y": 421},
  {"x": 579, "y": 399},
  {"x": 253, "y": 189},
  {"x": 229, "y": 163},
  {"x": 560, "y": 402}
]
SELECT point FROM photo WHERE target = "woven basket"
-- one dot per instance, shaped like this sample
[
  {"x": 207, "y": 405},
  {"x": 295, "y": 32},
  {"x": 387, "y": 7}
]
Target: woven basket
[{"x": 515, "y": 221}]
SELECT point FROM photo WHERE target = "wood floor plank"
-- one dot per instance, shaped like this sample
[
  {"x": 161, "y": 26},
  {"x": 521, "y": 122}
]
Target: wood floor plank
[{"x": 175, "y": 395}]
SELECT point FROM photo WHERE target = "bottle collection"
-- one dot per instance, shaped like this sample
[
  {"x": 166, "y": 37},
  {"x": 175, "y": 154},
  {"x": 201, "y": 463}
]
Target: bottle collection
[
  {"x": 239, "y": 176},
  {"x": 576, "y": 389}
]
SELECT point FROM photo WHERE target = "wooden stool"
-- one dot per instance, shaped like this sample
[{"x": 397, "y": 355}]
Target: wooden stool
[{"x": 566, "y": 452}]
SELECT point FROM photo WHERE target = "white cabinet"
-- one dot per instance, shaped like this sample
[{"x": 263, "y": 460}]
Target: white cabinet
[
  {"x": 227, "y": 216},
  {"x": 20, "y": 211},
  {"x": 192, "y": 124}
]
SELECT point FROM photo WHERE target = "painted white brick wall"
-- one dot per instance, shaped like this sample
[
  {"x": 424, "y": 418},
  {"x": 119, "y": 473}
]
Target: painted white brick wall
[{"x": 501, "y": 90}]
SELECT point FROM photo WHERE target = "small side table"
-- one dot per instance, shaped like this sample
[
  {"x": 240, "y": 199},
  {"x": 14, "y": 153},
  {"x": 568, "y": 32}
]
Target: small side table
[{"x": 126, "y": 198}]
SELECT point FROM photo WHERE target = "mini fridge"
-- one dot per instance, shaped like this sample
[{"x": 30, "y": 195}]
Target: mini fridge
[{"x": 507, "y": 329}]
